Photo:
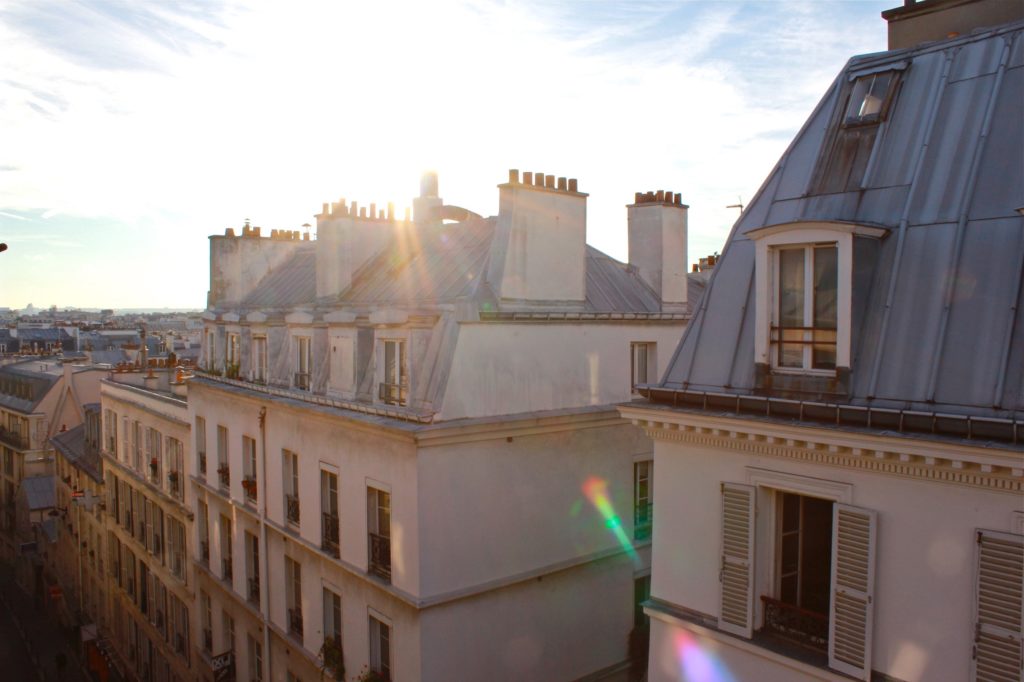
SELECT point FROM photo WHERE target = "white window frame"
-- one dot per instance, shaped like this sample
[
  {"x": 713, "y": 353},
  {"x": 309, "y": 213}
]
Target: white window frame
[
  {"x": 378, "y": 662},
  {"x": 259, "y": 358},
  {"x": 401, "y": 366},
  {"x": 303, "y": 361},
  {"x": 767, "y": 240},
  {"x": 649, "y": 350}
]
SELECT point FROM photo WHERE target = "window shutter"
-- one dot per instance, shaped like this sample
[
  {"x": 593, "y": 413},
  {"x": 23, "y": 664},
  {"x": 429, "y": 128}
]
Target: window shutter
[
  {"x": 999, "y": 608},
  {"x": 853, "y": 587},
  {"x": 736, "y": 577}
]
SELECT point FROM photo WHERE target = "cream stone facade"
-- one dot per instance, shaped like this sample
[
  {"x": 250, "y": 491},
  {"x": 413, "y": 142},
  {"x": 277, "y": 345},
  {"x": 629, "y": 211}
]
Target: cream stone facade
[{"x": 408, "y": 462}]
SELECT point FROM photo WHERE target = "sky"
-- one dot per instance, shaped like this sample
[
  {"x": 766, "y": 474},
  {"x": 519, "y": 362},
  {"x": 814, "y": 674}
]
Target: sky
[{"x": 131, "y": 131}]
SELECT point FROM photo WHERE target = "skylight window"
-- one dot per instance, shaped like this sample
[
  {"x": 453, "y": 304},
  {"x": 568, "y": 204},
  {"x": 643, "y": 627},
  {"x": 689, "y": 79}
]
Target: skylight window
[{"x": 869, "y": 98}]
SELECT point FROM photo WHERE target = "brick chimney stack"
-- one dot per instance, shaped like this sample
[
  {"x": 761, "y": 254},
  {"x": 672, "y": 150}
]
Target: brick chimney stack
[{"x": 925, "y": 21}]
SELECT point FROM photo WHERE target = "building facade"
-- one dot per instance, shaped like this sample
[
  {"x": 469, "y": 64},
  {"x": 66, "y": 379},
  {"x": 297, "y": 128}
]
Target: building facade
[
  {"x": 838, "y": 437},
  {"x": 408, "y": 461}
]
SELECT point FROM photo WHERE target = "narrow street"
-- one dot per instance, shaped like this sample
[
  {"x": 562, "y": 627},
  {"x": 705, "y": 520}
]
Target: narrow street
[{"x": 14, "y": 657}]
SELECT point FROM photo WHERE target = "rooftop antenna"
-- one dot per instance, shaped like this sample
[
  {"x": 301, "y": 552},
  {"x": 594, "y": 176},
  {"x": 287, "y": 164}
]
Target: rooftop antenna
[{"x": 739, "y": 205}]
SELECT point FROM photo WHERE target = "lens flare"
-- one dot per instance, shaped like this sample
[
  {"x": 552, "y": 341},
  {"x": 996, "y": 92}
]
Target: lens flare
[
  {"x": 596, "y": 490},
  {"x": 697, "y": 664}
]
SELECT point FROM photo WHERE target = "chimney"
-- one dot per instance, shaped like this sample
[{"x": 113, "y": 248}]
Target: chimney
[
  {"x": 657, "y": 243},
  {"x": 926, "y": 21},
  {"x": 237, "y": 264},
  {"x": 345, "y": 240},
  {"x": 541, "y": 245},
  {"x": 426, "y": 208}
]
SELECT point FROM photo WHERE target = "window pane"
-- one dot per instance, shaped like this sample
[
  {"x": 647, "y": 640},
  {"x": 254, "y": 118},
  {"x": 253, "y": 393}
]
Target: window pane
[
  {"x": 791, "y": 307},
  {"x": 826, "y": 287}
]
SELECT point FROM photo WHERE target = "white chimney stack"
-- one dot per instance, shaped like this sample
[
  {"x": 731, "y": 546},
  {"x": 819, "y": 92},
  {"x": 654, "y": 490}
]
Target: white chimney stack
[{"x": 657, "y": 244}]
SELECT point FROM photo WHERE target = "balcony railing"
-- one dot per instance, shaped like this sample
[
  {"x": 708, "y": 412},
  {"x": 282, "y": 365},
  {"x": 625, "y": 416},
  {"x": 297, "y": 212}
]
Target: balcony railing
[
  {"x": 204, "y": 551},
  {"x": 302, "y": 381},
  {"x": 224, "y": 472},
  {"x": 295, "y": 622},
  {"x": 292, "y": 508},
  {"x": 254, "y": 590},
  {"x": 330, "y": 534},
  {"x": 795, "y": 624},
  {"x": 249, "y": 486},
  {"x": 13, "y": 439},
  {"x": 643, "y": 521},
  {"x": 393, "y": 394},
  {"x": 380, "y": 556},
  {"x": 225, "y": 569},
  {"x": 174, "y": 483}
]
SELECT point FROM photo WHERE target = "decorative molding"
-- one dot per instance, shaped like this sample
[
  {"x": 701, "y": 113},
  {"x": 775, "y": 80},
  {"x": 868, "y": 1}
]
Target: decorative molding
[{"x": 989, "y": 468}]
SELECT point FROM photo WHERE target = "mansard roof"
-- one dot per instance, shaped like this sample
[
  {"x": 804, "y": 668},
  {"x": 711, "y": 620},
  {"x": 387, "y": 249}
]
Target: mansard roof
[{"x": 936, "y": 302}]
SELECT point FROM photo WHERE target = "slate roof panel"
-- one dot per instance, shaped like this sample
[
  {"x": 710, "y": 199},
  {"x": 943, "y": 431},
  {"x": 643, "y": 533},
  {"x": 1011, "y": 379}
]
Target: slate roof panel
[{"x": 292, "y": 283}]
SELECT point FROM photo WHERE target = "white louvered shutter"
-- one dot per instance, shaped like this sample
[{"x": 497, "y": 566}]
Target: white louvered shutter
[
  {"x": 999, "y": 608},
  {"x": 736, "y": 577},
  {"x": 853, "y": 590}
]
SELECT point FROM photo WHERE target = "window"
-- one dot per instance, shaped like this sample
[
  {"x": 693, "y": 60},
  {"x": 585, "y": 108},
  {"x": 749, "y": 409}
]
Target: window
[
  {"x": 378, "y": 517},
  {"x": 175, "y": 468},
  {"x": 110, "y": 429},
  {"x": 125, "y": 440},
  {"x": 252, "y": 567},
  {"x": 179, "y": 627},
  {"x": 204, "y": 533},
  {"x": 154, "y": 529},
  {"x": 380, "y": 648},
  {"x": 291, "y": 486},
  {"x": 330, "y": 524},
  {"x": 226, "y": 569},
  {"x": 641, "y": 593},
  {"x": 643, "y": 500},
  {"x": 394, "y": 386},
  {"x": 805, "y": 311},
  {"x": 255, "y": 658},
  {"x": 302, "y": 363},
  {"x": 154, "y": 456},
  {"x": 176, "y": 547},
  {"x": 293, "y": 595},
  {"x": 869, "y": 96},
  {"x": 819, "y": 589},
  {"x": 997, "y": 629},
  {"x": 259, "y": 359},
  {"x": 642, "y": 367},
  {"x": 206, "y": 616},
  {"x": 227, "y": 631},
  {"x": 333, "y": 656},
  {"x": 201, "y": 446},
  {"x": 223, "y": 466},
  {"x": 137, "y": 446},
  {"x": 211, "y": 344},
  {"x": 231, "y": 356},
  {"x": 249, "y": 468}
]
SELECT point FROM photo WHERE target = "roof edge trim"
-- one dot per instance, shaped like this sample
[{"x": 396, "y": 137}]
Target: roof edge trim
[{"x": 859, "y": 229}]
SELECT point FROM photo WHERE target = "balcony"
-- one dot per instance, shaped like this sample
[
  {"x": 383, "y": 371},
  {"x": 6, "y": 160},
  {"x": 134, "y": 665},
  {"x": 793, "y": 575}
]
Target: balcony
[
  {"x": 393, "y": 394},
  {"x": 204, "y": 551},
  {"x": 208, "y": 640},
  {"x": 249, "y": 486},
  {"x": 225, "y": 570},
  {"x": 14, "y": 439},
  {"x": 330, "y": 535},
  {"x": 643, "y": 521},
  {"x": 224, "y": 473},
  {"x": 295, "y": 622},
  {"x": 254, "y": 590},
  {"x": 302, "y": 381},
  {"x": 292, "y": 508},
  {"x": 380, "y": 556},
  {"x": 795, "y": 625}
]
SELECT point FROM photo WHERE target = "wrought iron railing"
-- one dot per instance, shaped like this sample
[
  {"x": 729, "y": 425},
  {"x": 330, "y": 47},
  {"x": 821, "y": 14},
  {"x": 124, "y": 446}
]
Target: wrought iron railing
[
  {"x": 292, "y": 508},
  {"x": 795, "y": 624},
  {"x": 295, "y": 621},
  {"x": 330, "y": 534},
  {"x": 302, "y": 381},
  {"x": 393, "y": 394},
  {"x": 380, "y": 555},
  {"x": 249, "y": 486},
  {"x": 643, "y": 521}
]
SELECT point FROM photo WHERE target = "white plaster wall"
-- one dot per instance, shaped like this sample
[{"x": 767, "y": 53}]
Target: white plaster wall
[
  {"x": 560, "y": 627},
  {"x": 925, "y": 550},
  {"x": 512, "y": 368},
  {"x": 493, "y": 509}
]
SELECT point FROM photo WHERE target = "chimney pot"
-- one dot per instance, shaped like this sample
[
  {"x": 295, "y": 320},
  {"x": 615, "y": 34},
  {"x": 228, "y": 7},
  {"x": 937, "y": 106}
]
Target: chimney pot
[
  {"x": 572, "y": 185},
  {"x": 538, "y": 179},
  {"x": 373, "y": 211},
  {"x": 428, "y": 184},
  {"x": 678, "y": 199},
  {"x": 528, "y": 177},
  {"x": 660, "y": 196},
  {"x": 638, "y": 197},
  {"x": 355, "y": 209},
  {"x": 362, "y": 212},
  {"x": 549, "y": 181},
  {"x": 256, "y": 232},
  {"x": 562, "y": 185},
  {"x": 327, "y": 209},
  {"x": 230, "y": 232},
  {"x": 513, "y": 176},
  {"x": 407, "y": 214},
  {"x": 391, "y": 210}
]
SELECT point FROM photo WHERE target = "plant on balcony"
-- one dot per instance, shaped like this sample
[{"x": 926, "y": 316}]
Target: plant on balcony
[
  {"x": 172, "y": 478},
  {"x": 153, "y": 464},
  {"x": 231, "y": 371},
  {"x": 249, "y": 485},
  {"x": 223, "y": 470},
  {"x": 332, "y": 659},
  {"x": 367, "y": 675}
]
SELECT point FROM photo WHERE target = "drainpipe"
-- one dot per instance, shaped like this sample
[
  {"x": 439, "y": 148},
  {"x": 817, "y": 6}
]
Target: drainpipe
[{"x": 264, "y": 568}]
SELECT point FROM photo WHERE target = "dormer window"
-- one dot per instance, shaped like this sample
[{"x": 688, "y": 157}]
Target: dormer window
[
  {"x": 394, "y": 385},
  {"x": 869, "y": 98},
  {"x": 805, "y": 311},
  {"x": 302, "y": 363}
]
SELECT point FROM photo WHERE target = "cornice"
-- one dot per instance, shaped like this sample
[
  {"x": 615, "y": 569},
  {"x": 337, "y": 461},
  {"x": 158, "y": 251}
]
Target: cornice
[{"x": 992, "y": 468}]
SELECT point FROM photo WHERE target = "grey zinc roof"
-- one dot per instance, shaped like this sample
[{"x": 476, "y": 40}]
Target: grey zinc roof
[
  {"x": 937, "y": 319},
  {"x": 291, "y": 283},
  {"x": 22, "y": 388},
  {"x": 71, "y": 444},
  {"x": 39, "y": 492},
  {"x": 614, "y": 287}
]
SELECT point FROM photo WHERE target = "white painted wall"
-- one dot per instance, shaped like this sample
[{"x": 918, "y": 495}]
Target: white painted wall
[
  {"x": 925, "y": 549},
  {"x": 513, "y": 368}
]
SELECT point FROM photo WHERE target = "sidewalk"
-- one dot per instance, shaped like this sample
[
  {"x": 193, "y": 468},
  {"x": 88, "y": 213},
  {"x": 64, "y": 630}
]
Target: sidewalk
[{"x": 43, "y": 638}]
